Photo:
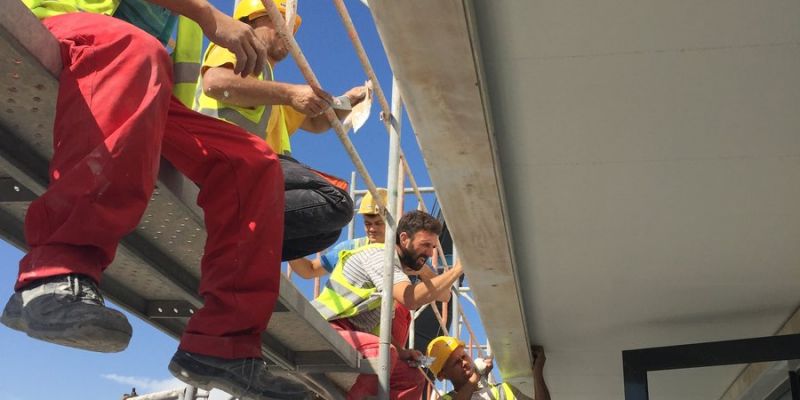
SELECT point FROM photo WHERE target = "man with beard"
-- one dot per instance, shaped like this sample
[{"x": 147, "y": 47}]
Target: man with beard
[
  {"x": 452, "y": 362},
  {"x": 351, "y": 301},
  {"x": 317, "y": 206}
]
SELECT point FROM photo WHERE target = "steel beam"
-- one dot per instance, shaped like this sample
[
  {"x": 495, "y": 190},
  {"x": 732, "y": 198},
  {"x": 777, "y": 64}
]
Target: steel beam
[
  {"x": 636, "y": 363},
  {"x": 794, "y": 384}
]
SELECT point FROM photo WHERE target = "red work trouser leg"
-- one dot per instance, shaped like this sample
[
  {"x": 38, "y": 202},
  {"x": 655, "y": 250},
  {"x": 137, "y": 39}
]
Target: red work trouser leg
[
  {"x": 112, "y": 111},
  {"x": 406, "y": 383},
  {"x": 110, "y": 115},
  {"x": 241, "y": 193}
]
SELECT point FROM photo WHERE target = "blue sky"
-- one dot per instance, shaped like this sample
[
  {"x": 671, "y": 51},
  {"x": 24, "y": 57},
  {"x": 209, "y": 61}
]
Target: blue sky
[{"x": 33, "y": 370}]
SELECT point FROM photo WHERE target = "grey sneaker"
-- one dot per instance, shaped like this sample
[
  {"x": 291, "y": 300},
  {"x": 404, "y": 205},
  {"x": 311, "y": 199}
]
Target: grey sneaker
[
  {"x": 12, "y": 314},
  {"x": 247, "y": 379},
  {"x": 69, "y": 310}
]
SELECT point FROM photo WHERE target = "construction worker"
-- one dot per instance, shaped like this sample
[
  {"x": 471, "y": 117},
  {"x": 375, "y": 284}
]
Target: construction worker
[
  {"x": 452, "y": 362},
  {"x": 352, "y": 296},
  {"x": 115, "y": 117},
  {"x": 317, "y": 205},
  {"x": 374, "y": 227}
]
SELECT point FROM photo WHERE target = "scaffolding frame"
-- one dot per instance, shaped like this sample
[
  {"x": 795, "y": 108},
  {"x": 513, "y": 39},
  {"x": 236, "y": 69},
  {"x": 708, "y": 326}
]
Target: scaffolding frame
[
  {"x": 391, "y": 115},
  {"x": 24, "y": 171}
]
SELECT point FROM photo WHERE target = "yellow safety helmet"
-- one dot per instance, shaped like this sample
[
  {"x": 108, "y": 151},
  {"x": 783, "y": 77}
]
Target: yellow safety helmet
[
  {"x": 440, "y": 349},
  {"x": 252, "y": 9},
  {"x": 368, "y": 204}
]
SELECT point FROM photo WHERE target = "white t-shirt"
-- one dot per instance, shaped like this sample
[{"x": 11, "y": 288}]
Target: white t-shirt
[{"x": 365, "y": 270}]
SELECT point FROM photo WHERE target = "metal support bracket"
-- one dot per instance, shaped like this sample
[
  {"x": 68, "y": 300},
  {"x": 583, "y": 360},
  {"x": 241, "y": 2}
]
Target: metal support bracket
[
  {"x": 12, "y": 191},
  {"x": 170, "y": 309}
]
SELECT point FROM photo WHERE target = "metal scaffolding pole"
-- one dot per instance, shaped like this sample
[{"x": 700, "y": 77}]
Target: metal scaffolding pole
[
  {"x": 351, "y": 226},
  {"x": 387, "y": 302},
  {"x": 397, "y": 161},
  {"x": 291, "y": 13},
  {"x": 400, "y": 195},
  {"x": 336, "y": 125},
  {"x": 412, "y": 331},
  {"x": 367, "y": 66},
  {"x": 455, "y": 327},
  {"x": 189, "y": 393},
  {"x": 424, "y": 189}
]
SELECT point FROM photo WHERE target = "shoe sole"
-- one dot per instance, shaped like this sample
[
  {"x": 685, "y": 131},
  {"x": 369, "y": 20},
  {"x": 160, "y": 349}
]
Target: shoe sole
[
  {"x": 208, "y": 383},
  {"x": 16, "y": 322},
  {"x": 84, "y": 337}
]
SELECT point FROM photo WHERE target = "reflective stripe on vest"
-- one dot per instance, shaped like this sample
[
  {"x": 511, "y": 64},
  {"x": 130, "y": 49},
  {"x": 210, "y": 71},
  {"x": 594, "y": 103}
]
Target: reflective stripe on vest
[
  {"x": 340, "y": 299},
  {"x": 234, "y": 117},
  {"x": 186, "y": 60},
  {"x": 278, "y": 142},
  {"x": 48, "y": 8},
  {"x": 495, "y": 393},
  {"x": 258, "y": 128}
]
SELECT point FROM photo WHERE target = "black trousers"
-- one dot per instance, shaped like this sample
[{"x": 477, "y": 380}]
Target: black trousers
[{"x": 315, "y": 210}]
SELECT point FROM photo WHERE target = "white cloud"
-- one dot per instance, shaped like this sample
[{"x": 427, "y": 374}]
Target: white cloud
[
  {"x": 148, "y": 385},
  {"x": 218, "y": 395}
]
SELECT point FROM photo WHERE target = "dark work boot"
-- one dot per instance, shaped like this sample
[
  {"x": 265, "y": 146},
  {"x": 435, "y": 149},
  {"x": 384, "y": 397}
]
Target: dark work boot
[
  {"x": 247, "y": 378},
  {"x": 12, "y": 313},
  {"x": 69, "y": 310}
]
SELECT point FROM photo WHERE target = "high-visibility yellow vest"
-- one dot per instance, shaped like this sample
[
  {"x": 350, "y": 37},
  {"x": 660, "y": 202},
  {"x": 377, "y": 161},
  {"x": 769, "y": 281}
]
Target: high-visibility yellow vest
[
  {"x": 155, "y": 20},
  {"x": 501, "y": 391},
  {"x": 278, "y": 131},
  {"x": 186, "y": 60},
  {"x": 340, "y": 299},
  {"x": 152, "y": 18},
  {"x": 49, "y": 8},
  {"x": 262, "y": 121}
]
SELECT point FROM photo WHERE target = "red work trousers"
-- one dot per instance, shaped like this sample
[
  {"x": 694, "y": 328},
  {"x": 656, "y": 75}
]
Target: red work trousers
[
  {"x": 405, "y": 382},
  {"x": 115, "y": 117}
]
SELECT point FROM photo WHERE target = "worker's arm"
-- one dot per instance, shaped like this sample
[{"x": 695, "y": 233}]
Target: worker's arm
[
  {"x": 423, "y": 292},
  {"x": 306, "y": 268},
  {"x": 236, "y": 36},
  {"x": 320, "y": 124},
  {"x": 408, "y": 355},
  {"x": 540, "y": 391},
  {"x": 426, "y": 274},
  {"x": 223, "y": 84}
]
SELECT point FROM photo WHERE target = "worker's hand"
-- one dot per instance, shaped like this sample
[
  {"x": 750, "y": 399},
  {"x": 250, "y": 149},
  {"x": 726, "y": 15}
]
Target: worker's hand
[
  {"x": 356, "y": 95},
  {"x": 240, "y": 39},
  {"x": 457, "y": 267},
  {"x": 410, "y": 272},
  {"x": 410, "y": 356},
  {"x": 489, "y": 365},
  {"x": 309, "y": 100},
  {"x": 538, "y": 358},
  {"x": 427, "y": 272},
  {"x": 424, "y": 272}
]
